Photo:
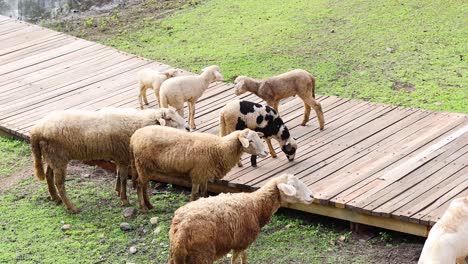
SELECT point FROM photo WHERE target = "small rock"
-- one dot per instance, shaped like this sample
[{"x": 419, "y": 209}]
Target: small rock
[
  {"x": 342, "y": 238},
  {"x": 287, "y": 226},
  {"x": 129, "y": 212},
  {"x": 125, "y": 227},
  {"x": 62, "y": 222},
  {"x": 133, "y": 250},
  {"x": 87, "y": 175},
  {"x": 229, "y": 255},
  {"x": 332, "y": 31},
  {"x": 66, "y": 227},
  {"x": 391, "y": 50},
  {"x": 154, "y": 220},
  {"x": 157, "y": 230}
]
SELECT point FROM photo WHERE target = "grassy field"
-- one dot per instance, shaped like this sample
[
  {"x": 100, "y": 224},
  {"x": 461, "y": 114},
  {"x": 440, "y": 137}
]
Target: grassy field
[
  {"x": 14, "y": 154},
  {"x": 31, "y": 227},
  {"x": 409, "y": 53}
]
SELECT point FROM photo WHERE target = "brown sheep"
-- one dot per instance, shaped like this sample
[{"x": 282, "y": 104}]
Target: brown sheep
[
  {"x": 202, "y": 157},
  {"x": 272, "y": 90},
  {"x": 207, "y": 229},
  {"x": 87, "y": 135}
]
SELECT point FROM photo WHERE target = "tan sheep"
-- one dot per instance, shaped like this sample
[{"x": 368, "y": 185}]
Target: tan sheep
[
  {"x": 202, "y": 157},
  {"x": 446, "y": 243},
  {"x": 175, "y": 91},
  {"x": 207, "y": 229},
  {"x": 151, "y": 79},
  {"x": 272, "y": 90},
  {"x": 86, "y": 135}
]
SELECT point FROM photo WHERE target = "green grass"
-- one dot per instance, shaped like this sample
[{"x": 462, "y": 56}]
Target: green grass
[
  {"x": 343, "y": 43},
  {"x": 14, "y": 154}
]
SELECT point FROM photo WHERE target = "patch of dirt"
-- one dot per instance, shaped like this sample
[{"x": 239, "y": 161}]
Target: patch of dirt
[
  {"x": 397, "y": 86},
  {"x": 16, "y": 177}
]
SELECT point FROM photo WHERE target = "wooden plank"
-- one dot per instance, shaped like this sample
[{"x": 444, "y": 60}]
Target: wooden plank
[
  {"x": 435, "y": 215},
  {"x": 353, "y": 185},
  {"x": 410, "y": 164},
  {"x": 414, "y": 185},
  {"x": 31, "y": 43}
]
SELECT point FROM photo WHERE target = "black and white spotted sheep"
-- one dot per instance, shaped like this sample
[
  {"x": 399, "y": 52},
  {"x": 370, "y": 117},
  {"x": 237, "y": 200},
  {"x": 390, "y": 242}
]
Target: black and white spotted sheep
[{"x": 238, "y": 115}]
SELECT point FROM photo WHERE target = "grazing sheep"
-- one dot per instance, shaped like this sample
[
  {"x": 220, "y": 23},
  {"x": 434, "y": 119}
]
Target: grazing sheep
[
  {"x": 202, "y": 157},
  {"x": 238, "y": 115},
  {"x": 151, "y": 79},
  {"x": 86, "y": 135},
  {"x": 177, "y": 90},
  {"x": 207, "y": 229},
  {"x": 273, "y": 89},
  {"x": 446, "y": 243}
]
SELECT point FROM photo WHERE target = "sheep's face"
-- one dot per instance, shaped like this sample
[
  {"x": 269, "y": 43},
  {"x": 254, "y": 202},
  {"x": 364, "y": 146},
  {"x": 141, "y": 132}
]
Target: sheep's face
[
  {"x": 240, "y": 86},
  {"x": 295, "y": 191},
  {"x": 172, "y": 73},
  {"x": 289, "y": 148},
  {"x": 215, "y": 72},
  {"x": 252, "y": 143},
  {"x": 170, "y": 118}
]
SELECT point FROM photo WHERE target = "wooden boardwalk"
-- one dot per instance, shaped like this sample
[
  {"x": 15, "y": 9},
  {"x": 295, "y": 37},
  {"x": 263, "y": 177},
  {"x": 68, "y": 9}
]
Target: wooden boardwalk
[{"x": 376, "y": 164}]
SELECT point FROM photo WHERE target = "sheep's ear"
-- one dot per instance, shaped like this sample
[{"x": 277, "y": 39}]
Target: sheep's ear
[
  {"x": 287, "y": 189},
  {"x": 260, "y": 134},
  {"x": 162, "y": 121},
  {"x": 243, "y": 140}
]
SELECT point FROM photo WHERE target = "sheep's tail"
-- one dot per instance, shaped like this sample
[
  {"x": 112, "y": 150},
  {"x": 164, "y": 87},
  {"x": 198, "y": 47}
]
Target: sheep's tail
[
  {"x": 37, "y": 156},
  {"x": 222, "y": 125},
  {"x": 313, "y": 86}
]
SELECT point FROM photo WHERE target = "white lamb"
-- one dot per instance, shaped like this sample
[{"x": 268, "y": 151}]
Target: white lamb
[
  {"x": 151, "y": 79},
  {"x": 447, "y": 242},
  {"x": 177, "y": 90}
]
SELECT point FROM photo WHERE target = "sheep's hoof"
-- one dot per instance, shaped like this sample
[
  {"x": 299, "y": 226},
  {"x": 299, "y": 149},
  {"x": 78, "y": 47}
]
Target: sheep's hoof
[
  {"x": 125, "y": 202},
  {"x": 303, "y": 123},
  {"x": 150, "y": 206},
  {"x": 74, "y": 210},
  {"x": 58, "y": 201},
  {"x": 240, "y": 165},
  {"x": 144, "y": 210}
]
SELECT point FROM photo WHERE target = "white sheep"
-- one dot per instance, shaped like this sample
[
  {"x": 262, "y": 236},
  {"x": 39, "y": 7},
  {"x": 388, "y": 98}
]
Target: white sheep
[
  {"x": 86, "y": 135},
  {"x": 447, "y": 240},
  {"x": 273, "y": 89},
  {"x": 201, "y": 156},
  {"x": 209, "y": 228},
  {"x": 238, "y": 115},
  {"x": 175, "y": 91},
  {"x": 151, "y": 79}
]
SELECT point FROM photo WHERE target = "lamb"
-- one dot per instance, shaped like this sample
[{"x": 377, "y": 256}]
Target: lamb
[
  {"x": 176, "y": 91},
  {"x": 159, "y": 151},
  {"x": 238, "y": 115},
  {"x": 446, "y": 242},
  {"x": 86, "y": 135},
  {"x": 207, "y": 229},
  {"x": 273, "y": 89},
  {"x": 151, "y": 79}
]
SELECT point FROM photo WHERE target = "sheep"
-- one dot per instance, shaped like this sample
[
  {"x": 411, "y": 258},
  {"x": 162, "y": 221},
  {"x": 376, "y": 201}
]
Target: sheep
[
  {"x": 446, "y": 242},
  {"x": 202, "y": 157},
  {"x": 207, "y": 229},
  {"x": 177, "y": 90},
  {"x": 238, "y": 115},
  {"x": 151, "y": 79},
  {"x": 273, "y": 89},
  {"x": 86, "y": 135}
]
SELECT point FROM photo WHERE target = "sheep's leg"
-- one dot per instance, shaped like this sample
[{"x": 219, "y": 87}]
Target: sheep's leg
[
  {"x": 134, "y": 175},
  {"x": 270, "y": 147},
  {"x": 309, "y": 100},
  {"x": 195, "y": 190},
  {"x": 51, "y": 186},
  {"x": 158, "y": 98},
  {"x": 117, "y": 184},
  {"x": 141, "y": 196},
  {"x": 306, "y": 118},
  {"x": 191, "y": 106},
  {"x": 239, "y": 253},
  {"x": 122, "y": 171},
  {"x": 253, "y": 160},
  {"x": 145, "y": 99},
  {"x": 59, "y": 179},
  {"x": 204, "y": 189},
  {"x": 146, "y": 197}
]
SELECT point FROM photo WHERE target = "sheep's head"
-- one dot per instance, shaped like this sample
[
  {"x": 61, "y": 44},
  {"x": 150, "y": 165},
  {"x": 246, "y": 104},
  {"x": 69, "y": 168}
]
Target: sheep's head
[
  {"x": 214, "y": 71},
  {"x": 170, "y": 118},
  {"x": 172, "y": 73},
  {"x": 294, "y": 190},
  {"x": 252, "y": 143},
  {"x": 289, "y": 148},
  {"x": 240, "y": 86}
]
